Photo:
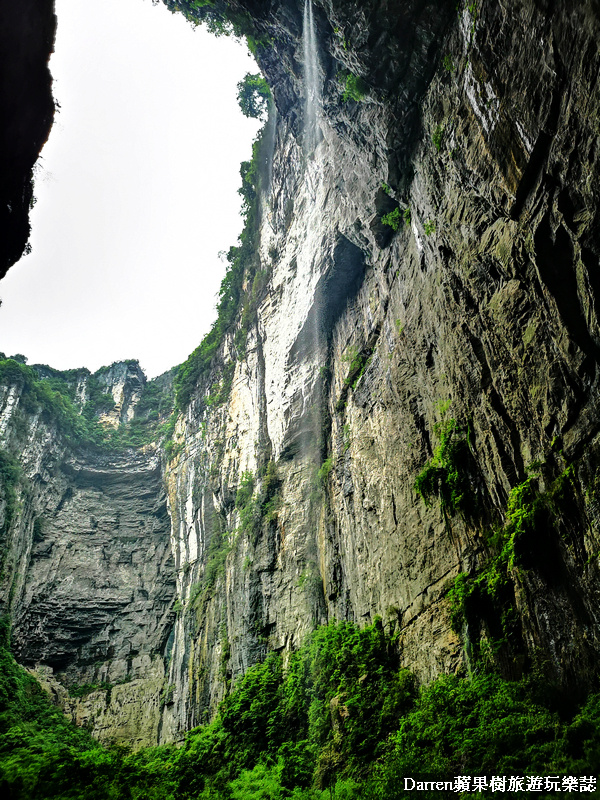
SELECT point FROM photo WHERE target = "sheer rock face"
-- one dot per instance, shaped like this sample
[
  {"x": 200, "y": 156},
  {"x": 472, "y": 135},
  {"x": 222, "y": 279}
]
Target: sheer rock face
[
  {"x": 88, "y": 573},
  {"x": 482, "y": 308},
  {"x": 482, "y": 130}
]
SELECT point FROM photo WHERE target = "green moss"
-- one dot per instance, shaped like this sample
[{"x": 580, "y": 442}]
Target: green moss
[
  {"x": 437, "y": 137},
  {"x": 324, "y": 471}
]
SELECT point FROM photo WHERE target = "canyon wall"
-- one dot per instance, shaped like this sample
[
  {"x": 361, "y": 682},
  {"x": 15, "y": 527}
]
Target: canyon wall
[
  {"x": 402, "y": 419},
  {"x": 86, "y": 572}
]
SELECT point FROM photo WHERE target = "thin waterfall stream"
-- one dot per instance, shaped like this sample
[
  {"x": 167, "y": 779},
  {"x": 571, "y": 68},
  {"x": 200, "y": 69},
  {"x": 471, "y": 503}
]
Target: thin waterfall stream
[
  {"x": 312, "y": 80},
  {"x": 310, "y": 255}
]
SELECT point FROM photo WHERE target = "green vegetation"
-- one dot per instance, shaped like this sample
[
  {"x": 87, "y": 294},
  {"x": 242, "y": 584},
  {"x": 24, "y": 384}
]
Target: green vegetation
[
  {"x": 220, "y": 19},
  {"x": 87, "y": 688},
  {"x": 253, "y": 95},
  {"x": 446, "y": 474},
  {"x": 341, "y": 720},
  {"x": 51, "y": 394},
  {"x": 488, "y": 596},
  {"x": 358, "y": 364},
  {"x": 429, "y": 227},
  {"x": 395, "y": 218},
  {"x": 219, "y": 392},
  {"x": 448, "y": 63},
  {"x": 437, "y": 137},
  {"x": 255, "y": 508},
  {"x": 324, "y": 471},
  {"x": 355, "y": 88}
]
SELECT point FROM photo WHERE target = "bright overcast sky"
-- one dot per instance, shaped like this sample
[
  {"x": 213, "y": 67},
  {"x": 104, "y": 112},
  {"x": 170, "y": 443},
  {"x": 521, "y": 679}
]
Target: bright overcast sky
[{"x": 136, "y": 191}]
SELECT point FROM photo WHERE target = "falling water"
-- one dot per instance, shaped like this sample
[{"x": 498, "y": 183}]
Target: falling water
[
  {"x": 310, "y": 252},
  {"x": 312, "y": 80}
]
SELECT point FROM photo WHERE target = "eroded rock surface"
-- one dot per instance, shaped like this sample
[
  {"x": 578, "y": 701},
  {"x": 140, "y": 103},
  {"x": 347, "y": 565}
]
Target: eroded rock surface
[
  {"x": 88, "y": 572},
  {"x": 290, "y": 478}
]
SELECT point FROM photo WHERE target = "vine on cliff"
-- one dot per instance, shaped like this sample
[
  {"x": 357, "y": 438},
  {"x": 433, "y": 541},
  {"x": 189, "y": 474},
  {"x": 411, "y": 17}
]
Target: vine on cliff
[{"x": 446, "y": 474}]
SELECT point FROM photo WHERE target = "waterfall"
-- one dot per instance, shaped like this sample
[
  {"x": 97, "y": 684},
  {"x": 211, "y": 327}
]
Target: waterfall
[{"x": 312, "y": 80}]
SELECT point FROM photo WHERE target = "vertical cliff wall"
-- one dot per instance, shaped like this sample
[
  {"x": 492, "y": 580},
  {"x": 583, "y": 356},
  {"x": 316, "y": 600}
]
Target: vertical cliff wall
[
  {"x": 399, "y": 419},
  {"x": 87, "y": 571},
  {"x": 458, "y": 343}
]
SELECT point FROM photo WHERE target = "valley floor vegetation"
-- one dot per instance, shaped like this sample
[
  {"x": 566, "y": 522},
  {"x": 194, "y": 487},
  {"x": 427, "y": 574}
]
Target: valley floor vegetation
[{"x": 339, "y": 720}]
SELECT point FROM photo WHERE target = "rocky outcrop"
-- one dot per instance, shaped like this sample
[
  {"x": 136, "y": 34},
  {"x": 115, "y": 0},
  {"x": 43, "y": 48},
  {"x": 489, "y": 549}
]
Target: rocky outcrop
[
  {"x": 475, "y": 314},
  {"x": 421, "y": 313}
]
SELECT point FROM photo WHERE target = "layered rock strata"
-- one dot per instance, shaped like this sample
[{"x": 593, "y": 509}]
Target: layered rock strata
[{"x": 87, "y": 570}]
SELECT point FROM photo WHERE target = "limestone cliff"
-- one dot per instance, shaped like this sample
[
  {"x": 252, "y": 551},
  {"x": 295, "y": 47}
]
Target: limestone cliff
[
  {"x": 407, "y": 395},
  {"x": 475, "y": 319},
  {"x": 87, "y": 570}
]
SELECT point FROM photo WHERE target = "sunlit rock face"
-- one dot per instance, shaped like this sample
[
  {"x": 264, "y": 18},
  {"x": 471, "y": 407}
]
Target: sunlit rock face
[
  {"x": 290, "y": 477},
  {"x": 125, "y": 382},
  {"x": 481, "y": 308}
]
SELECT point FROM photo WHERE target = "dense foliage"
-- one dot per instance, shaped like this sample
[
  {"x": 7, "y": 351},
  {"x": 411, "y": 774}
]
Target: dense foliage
[
  {"x": 51, "y": 394},
  {"x": 219, "y": 18},
  {"x": 253, "y": 95},
  {"x": 339, "y": 720}
]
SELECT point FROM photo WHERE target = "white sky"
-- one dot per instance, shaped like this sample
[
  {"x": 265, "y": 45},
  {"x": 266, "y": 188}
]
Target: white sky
[{"x": 136, "y": 188}]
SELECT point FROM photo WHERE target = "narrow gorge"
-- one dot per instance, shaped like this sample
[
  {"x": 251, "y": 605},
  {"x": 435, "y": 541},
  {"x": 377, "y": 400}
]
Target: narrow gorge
[{"x": 394, "y": 421}]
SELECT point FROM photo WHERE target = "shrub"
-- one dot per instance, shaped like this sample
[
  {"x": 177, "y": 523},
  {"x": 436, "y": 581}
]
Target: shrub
[
  {"x": 446, "y": 474},
  {"x": 355, "y": 88},
  {"x": 392, "y": 219}
]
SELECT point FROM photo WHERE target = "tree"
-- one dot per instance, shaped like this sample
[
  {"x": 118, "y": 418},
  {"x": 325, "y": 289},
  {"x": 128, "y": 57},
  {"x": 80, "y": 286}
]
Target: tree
[{"x": 253, "y": 95}]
